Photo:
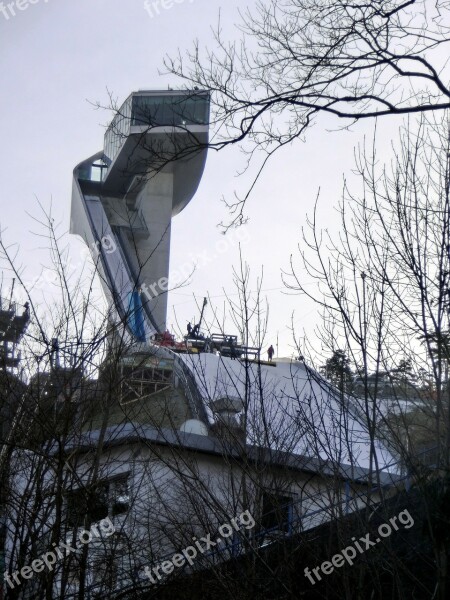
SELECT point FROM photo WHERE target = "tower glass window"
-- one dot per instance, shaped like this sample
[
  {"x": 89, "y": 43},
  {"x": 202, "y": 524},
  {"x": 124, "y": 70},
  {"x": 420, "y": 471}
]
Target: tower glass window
[{"x": 174, "y": 110}]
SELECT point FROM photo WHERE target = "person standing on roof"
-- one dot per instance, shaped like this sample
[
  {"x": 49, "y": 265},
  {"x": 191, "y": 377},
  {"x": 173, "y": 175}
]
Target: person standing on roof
[
  {"x": 189, "y": 328},
  {"x": 232, "y": 348},
  {"x": 270, "y": 353}
]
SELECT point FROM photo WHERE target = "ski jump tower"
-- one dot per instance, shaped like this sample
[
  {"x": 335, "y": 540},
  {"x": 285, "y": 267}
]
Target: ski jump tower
[{"x": 125, "y": 196}]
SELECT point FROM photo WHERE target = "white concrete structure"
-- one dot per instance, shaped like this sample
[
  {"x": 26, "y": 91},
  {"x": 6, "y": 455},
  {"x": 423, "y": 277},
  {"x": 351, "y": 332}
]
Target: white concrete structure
[
  {"x": 154, "y": 154},
  {"x": 124, "y": 198}
]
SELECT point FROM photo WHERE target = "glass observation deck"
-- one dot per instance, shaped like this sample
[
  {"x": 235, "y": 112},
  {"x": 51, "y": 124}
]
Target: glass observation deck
[{"x": 146, "y": 110}]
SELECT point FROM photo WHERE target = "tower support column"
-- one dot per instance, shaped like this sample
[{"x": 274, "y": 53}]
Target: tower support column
[{"x": 154, "y": 203}]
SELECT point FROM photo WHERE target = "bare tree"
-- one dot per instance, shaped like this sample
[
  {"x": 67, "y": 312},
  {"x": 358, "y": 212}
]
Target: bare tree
[
  {"x": 384, "y": 284},
  {"x": 300, "y": 59},
  {"x": 103, "y": 436}
]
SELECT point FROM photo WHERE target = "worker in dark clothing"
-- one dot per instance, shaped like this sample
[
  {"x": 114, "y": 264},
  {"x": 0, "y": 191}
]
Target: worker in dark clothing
[
  {"x": 195, "y": 330},
  {"x": 270, "y": 353},
  {"x": 189, "y": 328},
  {"x": 232, "y": 348}
]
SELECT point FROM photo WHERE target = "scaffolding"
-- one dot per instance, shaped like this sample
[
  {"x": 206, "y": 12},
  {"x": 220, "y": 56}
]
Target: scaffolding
[
  {"x": 12, "y": 328},
  {"x": 143, "y": 376}
]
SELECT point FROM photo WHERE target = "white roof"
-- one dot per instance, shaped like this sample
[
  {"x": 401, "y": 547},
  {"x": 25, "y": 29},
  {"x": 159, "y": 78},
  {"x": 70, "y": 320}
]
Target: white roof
[{"x": 291, "y": 408}]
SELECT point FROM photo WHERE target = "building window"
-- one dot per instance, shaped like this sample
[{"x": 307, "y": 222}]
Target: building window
[
  {"x": 120, "y": 498},
  {"x": 176, "y": 110},
  {"x": 277, "y": 512},
  {"x": 96, "y": 502}
]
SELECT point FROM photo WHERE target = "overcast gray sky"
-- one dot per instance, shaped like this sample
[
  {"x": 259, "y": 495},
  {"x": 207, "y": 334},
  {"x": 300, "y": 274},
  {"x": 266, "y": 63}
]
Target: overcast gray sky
[{"x": 57, "y": 57}]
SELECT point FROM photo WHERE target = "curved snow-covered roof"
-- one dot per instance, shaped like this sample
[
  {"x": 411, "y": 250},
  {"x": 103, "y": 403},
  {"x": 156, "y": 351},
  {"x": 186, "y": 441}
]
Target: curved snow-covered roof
[{"x": 290, "y": 408}]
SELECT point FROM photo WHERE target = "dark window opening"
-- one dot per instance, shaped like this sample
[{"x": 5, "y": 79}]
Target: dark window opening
[
  {"x": 107, "y": 498},
  {"x": 121, "y": 497},
  {"x": 277, "y": 512}
]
